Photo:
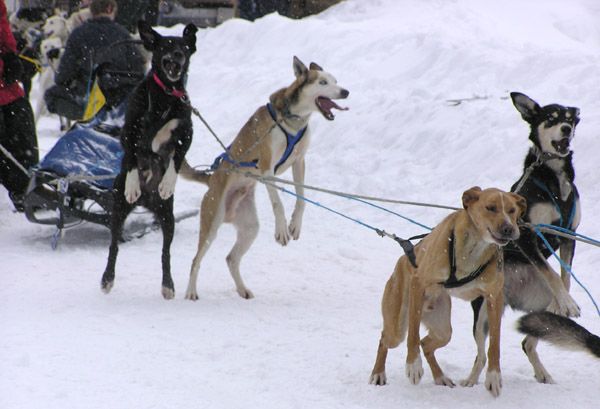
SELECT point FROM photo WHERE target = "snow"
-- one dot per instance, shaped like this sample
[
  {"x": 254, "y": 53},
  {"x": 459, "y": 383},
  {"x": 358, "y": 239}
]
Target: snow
[{"x": 309, "y": 337}]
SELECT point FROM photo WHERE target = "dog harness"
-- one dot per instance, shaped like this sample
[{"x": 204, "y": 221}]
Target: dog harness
[
  {"x": 561, "y": 219},
  {"x": 290, "y": 139},
  {"x": 452, "y": 281}
]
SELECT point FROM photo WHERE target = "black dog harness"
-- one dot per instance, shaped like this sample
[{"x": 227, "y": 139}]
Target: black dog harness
[
  {"x": 290, "y": 139},
  {"x": 452, "y": 281}
]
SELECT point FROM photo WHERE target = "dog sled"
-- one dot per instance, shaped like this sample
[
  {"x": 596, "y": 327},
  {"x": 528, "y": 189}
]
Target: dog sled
[{"x": 73, "y": 182}]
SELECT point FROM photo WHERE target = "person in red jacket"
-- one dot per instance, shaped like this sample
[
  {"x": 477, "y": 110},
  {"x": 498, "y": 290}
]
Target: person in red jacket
[{"x": 17, "y": 126}]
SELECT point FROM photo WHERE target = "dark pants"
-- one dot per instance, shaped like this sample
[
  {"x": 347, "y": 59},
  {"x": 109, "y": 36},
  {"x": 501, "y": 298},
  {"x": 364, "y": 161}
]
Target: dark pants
[
  {"x": 61, "y": 101},
  {"x": 17, "y": 135}
]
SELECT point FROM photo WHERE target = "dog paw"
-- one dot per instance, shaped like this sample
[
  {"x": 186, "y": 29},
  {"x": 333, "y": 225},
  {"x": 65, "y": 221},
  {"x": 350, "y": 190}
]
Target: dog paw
[
  {"x": 444, "y": 381},
  {"x": 295, "y": 226},
  {"x": 166, "y": 188},
  {"x": 571, "y": 307},
  {"x": 282, "y": 236},
  {"x": 414, "y": 371},
  {"x": 542, "y": 376},
  {"x": 245, "y": 293},
  {"x": 493, "y": 383},
  {"x": 107, "y": 281},
  {"x": 191, "y": 294},
  {"x": 565, "y": 305},
  {"x": 132, "y": 186},
  {"x": 469, "y": 382},
  {"x": 106, "y": 286},
  {"x": 167, "y": 293},
  {"x": 378, "y": 379}
]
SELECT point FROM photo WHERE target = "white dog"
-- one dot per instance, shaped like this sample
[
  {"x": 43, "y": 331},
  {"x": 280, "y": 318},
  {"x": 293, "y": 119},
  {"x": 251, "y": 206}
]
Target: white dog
[
  {"x": 56, "y": 26},
  {"x": 51, "y": 50}
]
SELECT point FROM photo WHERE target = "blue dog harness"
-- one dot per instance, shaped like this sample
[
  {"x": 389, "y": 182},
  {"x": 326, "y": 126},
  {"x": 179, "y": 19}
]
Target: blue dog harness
[{"x": 291, "y": 142}]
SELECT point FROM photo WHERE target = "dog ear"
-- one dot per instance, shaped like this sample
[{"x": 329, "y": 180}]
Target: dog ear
[
  {"x": 525, "y": 105},
  {"x": 471, "y": 196},
  {"x": 575, "y": 112},
  {"x": 299, "y": 67},
  {"x": 315, "y": 66},
  {"x": 521, "y": 203},
  {"x": 189, "y": 35},
  {"x": 150, "y": 38}
]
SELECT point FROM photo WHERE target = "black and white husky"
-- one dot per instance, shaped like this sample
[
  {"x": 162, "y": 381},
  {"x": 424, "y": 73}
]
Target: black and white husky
[{"x": 530, "y": 283}]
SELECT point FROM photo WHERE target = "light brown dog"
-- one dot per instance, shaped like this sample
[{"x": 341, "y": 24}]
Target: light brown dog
[
  {"x": 461, "y": 257},
  {"x": 273, "y": 140}
]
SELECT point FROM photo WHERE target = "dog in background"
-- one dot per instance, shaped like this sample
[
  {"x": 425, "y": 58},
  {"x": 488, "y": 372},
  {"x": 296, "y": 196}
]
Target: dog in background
[
  {"x": 274, "y": 139},
  {"x": 155, "y": 137},
  {"x": 461, "y": 257},
  {"x": 56, "y": 26},
  {"x": 547, "y": 184},
  {"x": 51, "y": 50}
]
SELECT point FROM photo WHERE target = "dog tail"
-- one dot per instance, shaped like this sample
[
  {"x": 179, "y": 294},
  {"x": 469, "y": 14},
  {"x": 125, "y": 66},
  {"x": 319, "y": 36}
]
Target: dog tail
[
  {"x": 560, "y": 331},
  {"x": 192, "y": 174}
]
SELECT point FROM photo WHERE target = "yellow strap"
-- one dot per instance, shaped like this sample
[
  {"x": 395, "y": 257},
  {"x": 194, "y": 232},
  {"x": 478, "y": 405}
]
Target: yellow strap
[{"x": 38, "y": 65}]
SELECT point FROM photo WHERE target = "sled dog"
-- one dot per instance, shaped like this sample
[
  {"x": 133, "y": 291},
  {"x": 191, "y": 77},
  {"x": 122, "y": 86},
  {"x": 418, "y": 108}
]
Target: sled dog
[
  {"x": 461, "y": 257},
  {"x": 274, "y": 139},
  {"x": 547, "y": 184},
  {"x": 155, "y": 137}
]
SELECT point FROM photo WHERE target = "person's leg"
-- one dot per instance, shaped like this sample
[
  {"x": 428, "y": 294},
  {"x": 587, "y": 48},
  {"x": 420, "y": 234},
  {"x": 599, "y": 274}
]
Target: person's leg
[{"x": 18, "y": 136}]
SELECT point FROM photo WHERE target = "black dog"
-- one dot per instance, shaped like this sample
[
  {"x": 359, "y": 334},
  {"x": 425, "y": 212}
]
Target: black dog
[
  {"x": 155, "y": 138},
  {"x": 530, "y": 283}
]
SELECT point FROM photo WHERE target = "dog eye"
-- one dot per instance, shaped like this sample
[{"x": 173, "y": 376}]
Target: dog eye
[
  {"x": 512, "y": 210},
  {"x": 323, "y": 82},
  {"x": 491, "y": 208}
]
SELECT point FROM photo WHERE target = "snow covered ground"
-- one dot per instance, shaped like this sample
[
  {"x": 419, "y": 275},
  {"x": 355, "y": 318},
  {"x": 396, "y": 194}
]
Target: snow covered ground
[{"x": 308, "y": 339}]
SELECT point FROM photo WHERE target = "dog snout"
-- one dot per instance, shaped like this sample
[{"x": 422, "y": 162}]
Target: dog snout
[
  {"x": 344, "y": 93},
  {"x": 178, "y": 55},
  {"x": 507, "y": 230},
  {"x": 53, "y": 53},
  {"x": 565, "y": 130}
]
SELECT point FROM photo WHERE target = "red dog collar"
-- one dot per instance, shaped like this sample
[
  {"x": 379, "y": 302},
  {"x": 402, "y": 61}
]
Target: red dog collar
[{"x": 179, "y": 93}]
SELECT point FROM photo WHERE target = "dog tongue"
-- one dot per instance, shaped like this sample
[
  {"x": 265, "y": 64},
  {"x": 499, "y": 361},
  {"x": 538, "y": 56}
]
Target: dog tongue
[{"x": 327, "y": 104}]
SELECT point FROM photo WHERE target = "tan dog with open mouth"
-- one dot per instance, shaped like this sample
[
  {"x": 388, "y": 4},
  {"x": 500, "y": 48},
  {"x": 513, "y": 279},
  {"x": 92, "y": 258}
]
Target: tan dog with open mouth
[
  {"x": 274, "y": 139},
  {"x": 461, "y": 257}
]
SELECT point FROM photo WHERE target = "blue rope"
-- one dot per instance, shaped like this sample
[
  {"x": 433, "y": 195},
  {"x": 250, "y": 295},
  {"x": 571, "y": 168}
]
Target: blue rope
[
  {"x": 566, "y": 267},
  {"x": 378, "y": 231}
]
